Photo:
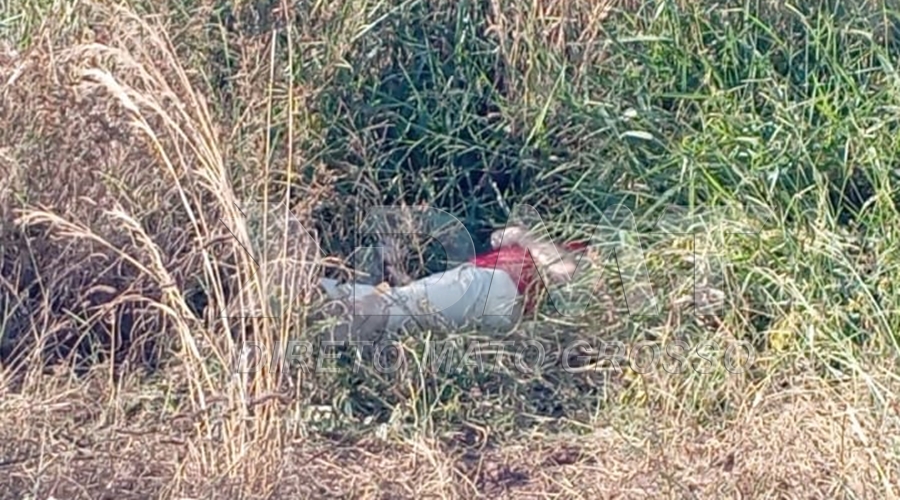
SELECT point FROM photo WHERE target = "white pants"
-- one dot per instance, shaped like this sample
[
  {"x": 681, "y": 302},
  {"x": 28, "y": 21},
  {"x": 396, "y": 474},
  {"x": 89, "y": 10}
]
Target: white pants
[{"x": 464, "y": 296}]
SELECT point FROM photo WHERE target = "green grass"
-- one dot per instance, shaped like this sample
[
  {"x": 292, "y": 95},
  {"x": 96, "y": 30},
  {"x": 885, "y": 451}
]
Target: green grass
[{"x": 770, "y": 126}]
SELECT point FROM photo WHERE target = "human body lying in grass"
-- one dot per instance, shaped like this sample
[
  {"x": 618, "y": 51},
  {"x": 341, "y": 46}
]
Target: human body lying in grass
[{"x": 491, "y": 290}]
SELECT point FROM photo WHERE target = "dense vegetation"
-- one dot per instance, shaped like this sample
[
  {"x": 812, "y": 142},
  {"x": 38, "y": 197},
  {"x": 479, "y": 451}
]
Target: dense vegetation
[{"x": 755, "y": 144}]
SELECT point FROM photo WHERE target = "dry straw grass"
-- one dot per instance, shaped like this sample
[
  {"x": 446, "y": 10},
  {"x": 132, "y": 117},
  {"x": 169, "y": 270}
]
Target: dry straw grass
[
  {"x": 133, "y": 208},
  {"x": 808, "y": 441},
  {"x": 128, "y": 266}
]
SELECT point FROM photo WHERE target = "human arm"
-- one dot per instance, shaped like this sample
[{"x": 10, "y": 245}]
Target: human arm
[{"x": 559, "y": 262}]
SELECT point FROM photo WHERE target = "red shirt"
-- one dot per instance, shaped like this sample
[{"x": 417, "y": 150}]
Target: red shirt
[{"x": 518, "y": 264}]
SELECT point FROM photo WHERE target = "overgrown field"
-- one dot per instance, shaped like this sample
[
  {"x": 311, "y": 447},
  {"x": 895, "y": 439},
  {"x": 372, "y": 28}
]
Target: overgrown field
[{"x": 755, "y": 145}]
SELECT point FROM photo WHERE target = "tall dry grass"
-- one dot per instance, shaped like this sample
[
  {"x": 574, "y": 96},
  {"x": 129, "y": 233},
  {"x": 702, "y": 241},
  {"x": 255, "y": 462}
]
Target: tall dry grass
[
  {"x": 133, "y": 215},
  {"x": 139, "y": 139}
]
